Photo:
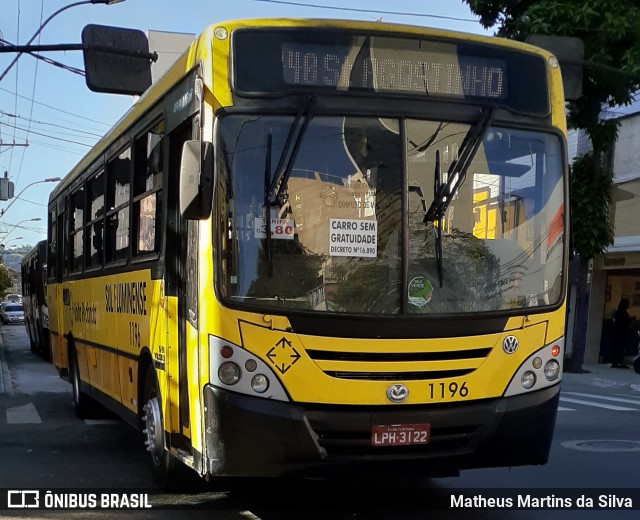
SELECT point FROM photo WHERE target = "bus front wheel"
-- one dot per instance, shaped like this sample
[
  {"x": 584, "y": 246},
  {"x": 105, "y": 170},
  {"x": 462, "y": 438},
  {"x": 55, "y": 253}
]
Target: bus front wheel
[{"x": 163, "y": 464}]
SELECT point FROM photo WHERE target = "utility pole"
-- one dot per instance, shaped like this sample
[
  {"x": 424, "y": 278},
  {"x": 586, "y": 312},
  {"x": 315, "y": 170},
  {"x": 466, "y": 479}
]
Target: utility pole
[{"x": 13, "y": 144}]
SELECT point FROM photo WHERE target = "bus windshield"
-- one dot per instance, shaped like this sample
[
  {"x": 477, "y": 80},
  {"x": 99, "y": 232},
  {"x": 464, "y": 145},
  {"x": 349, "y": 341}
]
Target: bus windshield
[{"x": 349, "y": 231}]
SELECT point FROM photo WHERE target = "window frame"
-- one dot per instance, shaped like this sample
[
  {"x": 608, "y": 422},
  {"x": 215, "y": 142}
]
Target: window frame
[
  {"x": 140, "y": 163},
  {"x": 91, "y": 221},
  {"x": 72, "y": 263},
  {"x": 113, "y": 256}
]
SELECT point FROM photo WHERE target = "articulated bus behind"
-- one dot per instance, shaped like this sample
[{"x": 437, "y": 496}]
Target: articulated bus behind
[{"x": 34, "y": 298}]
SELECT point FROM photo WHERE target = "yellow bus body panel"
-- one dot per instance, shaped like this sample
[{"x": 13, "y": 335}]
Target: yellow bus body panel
[{"x": 307, "y": 381}]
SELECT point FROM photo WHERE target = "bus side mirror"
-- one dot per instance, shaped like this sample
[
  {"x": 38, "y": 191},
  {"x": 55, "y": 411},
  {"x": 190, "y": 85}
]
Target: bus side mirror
[
  {"x": 196, "y": 180},
  {"x": 116, "y": 60}
]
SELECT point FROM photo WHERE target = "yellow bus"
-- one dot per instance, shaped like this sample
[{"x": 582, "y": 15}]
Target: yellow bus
[
  {"x": 320, "y": 245},
  {"x": 34, "y": 298}
]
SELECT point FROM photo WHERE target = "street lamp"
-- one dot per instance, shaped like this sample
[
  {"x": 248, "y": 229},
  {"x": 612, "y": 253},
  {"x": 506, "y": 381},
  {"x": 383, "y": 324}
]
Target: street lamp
[
  {"x": 107, "y": 2},
  {"x": 50, "y": 179},
  {"x": 2, "y": 246},
  {"x": 35, "y": 219}
]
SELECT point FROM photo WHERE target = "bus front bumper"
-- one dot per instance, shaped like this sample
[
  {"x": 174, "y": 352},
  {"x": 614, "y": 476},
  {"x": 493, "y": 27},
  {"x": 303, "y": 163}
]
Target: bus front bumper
[{"x": 249, "y": 436}]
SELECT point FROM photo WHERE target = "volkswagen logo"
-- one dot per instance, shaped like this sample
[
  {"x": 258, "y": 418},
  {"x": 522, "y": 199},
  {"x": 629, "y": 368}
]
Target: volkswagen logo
[
  {"x": 510, "y": 344},
  {"x": 397, "y": 393}
]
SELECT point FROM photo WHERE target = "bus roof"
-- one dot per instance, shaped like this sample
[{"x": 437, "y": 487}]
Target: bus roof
[{"x": 203, "y": 43}]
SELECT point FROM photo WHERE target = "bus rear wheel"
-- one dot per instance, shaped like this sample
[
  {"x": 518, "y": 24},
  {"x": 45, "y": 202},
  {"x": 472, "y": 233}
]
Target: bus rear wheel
[
  {"x": 163, "y": 464},
  {"x": 81, "y": 401},
  {"x": 42, "y": 344},
  {"x": 33, "y": 344}
]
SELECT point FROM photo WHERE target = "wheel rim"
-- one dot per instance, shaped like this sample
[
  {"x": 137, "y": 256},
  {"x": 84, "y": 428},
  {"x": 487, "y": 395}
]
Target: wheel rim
[{"x": 153, "y": 429}]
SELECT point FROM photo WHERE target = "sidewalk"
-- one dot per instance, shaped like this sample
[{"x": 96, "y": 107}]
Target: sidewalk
[
  {"x": 6, "y": 387},
  {"x": 603, "y": 376}
]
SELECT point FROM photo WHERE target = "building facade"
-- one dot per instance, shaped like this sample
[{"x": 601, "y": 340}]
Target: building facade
[{"x": 616, "y": 273}]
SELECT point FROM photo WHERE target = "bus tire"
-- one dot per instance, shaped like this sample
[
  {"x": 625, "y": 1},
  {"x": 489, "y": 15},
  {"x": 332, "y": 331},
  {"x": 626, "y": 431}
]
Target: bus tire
[
  {"x": 42, "y": 345},
  {"x": 81, "y": 401},
  {"x": 32, "y": 344},
  {"x": 33, "y": 340},
  {"x": 163, "y": 464}
]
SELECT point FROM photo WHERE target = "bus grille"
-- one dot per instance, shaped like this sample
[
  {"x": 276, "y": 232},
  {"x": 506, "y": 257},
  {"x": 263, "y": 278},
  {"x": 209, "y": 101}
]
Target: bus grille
[{"x": 428, "y": 365}]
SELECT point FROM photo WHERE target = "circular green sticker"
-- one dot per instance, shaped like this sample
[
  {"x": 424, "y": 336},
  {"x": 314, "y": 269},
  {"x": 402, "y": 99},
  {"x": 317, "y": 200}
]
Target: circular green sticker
[{"x": 420, "y": 291}]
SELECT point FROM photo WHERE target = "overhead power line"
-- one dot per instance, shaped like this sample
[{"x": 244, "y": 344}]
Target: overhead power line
[
  {"x": 54, "y": 108},
  {"x": 377, "y": 11},
  {"x": 48, "y": 60},
  {"x": 78, "y": 132},
  {"x": 48, "y": 136},
  {"x": 51, "y": 146}
]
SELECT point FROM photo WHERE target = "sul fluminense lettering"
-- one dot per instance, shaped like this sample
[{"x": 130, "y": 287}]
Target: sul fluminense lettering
[{"x": 126, "y": 298}]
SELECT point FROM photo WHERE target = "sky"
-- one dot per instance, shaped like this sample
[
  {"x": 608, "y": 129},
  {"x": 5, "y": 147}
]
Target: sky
[{"x": 49, "y": 119}]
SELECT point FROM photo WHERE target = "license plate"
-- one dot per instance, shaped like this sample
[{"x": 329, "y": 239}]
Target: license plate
[{"x": 399, "y": 434}]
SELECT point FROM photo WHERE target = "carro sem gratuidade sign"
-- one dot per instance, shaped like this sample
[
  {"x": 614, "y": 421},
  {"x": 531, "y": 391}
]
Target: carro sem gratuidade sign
[{"x": 350, "y": 237}]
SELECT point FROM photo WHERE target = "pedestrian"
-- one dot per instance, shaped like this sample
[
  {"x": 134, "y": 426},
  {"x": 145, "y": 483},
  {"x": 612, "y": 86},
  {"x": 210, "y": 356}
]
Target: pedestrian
[{"x": 621, "y": 321}]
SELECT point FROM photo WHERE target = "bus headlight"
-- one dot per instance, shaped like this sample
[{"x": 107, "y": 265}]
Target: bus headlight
[
  {"x": 541, "y": 369},
  {"x": 229, "y": 373},
  {"x": 551, "y": 370},
  {"x": 260, "y": 383},
  {"x": 236, "y": 369},
  {"x": 528, "y": 380}
]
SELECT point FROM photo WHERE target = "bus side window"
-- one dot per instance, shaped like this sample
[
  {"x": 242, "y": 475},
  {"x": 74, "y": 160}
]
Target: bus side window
[
  {"x": 95, "y": 226},
  {"x": 147, "y": 194},
  {"x": 76, "y": 228},
  {"x": 118, "y": 192}
]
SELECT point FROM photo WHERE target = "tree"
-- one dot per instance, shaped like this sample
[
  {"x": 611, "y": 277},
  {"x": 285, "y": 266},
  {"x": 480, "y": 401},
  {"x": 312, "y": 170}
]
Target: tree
[
  {"x": 5, "y": 279},
  {"x": 610, "y": 30}
]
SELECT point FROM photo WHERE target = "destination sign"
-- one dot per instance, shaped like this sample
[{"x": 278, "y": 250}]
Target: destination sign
[
  {"x": 395, "y": 70},
  {"x": 281, "y": 61}
]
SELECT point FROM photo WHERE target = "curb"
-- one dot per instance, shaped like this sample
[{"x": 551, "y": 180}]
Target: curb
[{"x": 6, "y": 387}]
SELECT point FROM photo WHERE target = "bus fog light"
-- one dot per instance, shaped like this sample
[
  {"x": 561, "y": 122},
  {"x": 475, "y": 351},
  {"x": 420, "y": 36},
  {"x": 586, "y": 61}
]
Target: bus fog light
[
  {"x": 528, "y": 380},
  {"x": 229, "y": 373},
  {"x": 259, "y": 383},
  {"x": 537, "y": 363},
  {"x": 551, "y": 370}
]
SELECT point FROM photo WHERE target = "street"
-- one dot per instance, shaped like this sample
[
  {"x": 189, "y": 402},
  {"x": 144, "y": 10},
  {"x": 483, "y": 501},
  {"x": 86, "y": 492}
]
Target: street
[{"x": 596, "y": 454}]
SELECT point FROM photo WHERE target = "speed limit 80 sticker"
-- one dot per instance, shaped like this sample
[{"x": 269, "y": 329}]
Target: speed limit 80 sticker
[{"x": 281, "y": 228}]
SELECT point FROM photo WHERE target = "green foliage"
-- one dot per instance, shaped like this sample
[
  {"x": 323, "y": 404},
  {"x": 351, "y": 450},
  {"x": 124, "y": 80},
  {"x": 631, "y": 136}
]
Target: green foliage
[
  {"x": 5, "y": 279},
  {"x": 590, "y": 201},
  {"x": 610, "y": 30}
]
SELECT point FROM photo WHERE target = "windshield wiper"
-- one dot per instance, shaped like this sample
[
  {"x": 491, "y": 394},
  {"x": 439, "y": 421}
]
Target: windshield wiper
[
  {"x": 267, "y": 180},
  {"x": 438, "y": 223},
  {"x": 273, "y": 187},
  {"x": 306, "y": 108},
  {"x": 458, "y": 170}
]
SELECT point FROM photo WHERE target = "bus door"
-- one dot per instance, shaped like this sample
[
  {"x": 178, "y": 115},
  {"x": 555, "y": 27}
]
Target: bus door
[{"x": 181, "y": 287}]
